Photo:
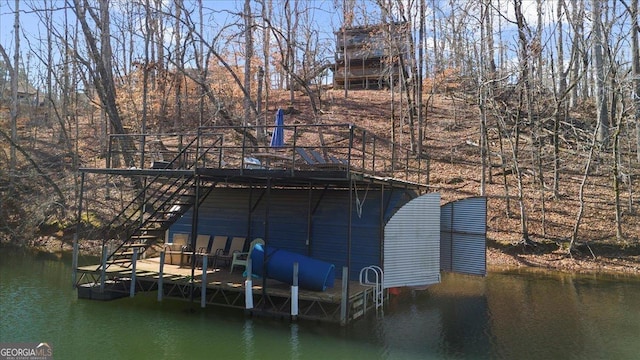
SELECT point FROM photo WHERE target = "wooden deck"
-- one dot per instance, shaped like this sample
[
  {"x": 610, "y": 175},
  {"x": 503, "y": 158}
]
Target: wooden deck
[{"x": 223, "y": 288}]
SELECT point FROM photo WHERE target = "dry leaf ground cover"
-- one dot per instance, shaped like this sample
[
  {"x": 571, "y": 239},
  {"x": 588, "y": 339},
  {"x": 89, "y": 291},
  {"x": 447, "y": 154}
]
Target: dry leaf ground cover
[
  {"x": 451, "y": 137},
  {"x": 452, "y": 134}
]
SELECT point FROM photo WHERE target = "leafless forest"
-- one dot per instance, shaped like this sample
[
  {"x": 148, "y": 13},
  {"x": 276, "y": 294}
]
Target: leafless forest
[{"x": 533, "y": 103}]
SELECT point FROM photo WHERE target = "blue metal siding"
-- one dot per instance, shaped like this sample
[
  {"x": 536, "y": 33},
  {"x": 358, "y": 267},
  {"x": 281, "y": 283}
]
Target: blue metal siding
[{"x": 226, "y": 212}]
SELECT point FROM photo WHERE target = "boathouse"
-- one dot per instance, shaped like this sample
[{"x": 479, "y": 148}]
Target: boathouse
[{"x": 329, "y": 194}]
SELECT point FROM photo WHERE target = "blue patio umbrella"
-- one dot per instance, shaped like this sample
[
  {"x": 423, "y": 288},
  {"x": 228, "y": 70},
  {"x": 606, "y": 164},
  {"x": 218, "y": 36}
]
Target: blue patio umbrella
[{"x": 277, "y": 138}]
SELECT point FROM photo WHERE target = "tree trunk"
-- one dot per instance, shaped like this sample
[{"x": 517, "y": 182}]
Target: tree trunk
[
  {"x": 101, "y": 72},
  {"x": 560, "y": 101},
  {"x": 420, "y": 74},
  {"x": 482, "y": 97},
  {"x": 266, "y": 54},
  {"x": 248, "y": 54},
  {"x": 635, "y": 58},
  {"x": 178, "y": 78},
  {"x": 616, "y": 175},
  {"x": 601, "y": 98},
  {"x": 524, "y": 97},
  {"x": 583, "y": 183},
  {"x": 14, "y": 92}
]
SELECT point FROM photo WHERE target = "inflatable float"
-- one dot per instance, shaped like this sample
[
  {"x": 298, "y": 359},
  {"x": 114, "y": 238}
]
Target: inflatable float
[{"x": 313, "y": 274}]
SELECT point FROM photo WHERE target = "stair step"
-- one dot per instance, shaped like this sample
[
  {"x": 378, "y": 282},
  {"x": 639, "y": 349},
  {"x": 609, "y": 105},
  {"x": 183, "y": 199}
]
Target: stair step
[
  {"x": 152, "y": 229},
  {"x": 168, "y": 211},
  {"x": 143, "y": 237},
  {"x": 123, "y": 253},
  {"x": 156, "y": 220},
  {"x": 119, "y": 261},
  {"x": 135, "y": 245},
  {"x": 181, "y": 203}
]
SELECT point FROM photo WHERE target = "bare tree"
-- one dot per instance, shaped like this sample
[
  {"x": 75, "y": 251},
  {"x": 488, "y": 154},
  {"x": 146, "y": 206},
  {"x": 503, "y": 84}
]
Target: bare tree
[
  {"x": 635, "y": 67},
  {"x": 599, "y": 43},
  {"x": 523, "y": 97},
  {"x": 581, "y": 199},
  {"x": 248, "y": 55},
  {"x": 99, "y": 66},
  {"x": 14, "y": 91}
]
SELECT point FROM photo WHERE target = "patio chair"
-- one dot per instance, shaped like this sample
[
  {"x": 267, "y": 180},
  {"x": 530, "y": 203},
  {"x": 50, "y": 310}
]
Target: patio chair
[
  {"x": 174, "y": 251},
  {"x": 201, "y": 247},
  {"x": 330, "y": 162},
  {"x": 236, "y": 246},
  {"x": 217, "y": 248},
  {"x": 202, "y": 244},
  {"x": 242, "y": 258},
  {"x": 306, "y": 157}
]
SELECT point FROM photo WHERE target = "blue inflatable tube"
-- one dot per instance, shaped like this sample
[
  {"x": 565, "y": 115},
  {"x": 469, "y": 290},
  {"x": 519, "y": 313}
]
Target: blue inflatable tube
[{"x": 313, "y": 274}]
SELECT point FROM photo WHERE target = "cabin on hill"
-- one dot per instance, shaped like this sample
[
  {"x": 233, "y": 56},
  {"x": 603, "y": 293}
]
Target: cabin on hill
[
  {"x": 317, "y": 224},
  {"x": 27, "y": 94},
  {"x": 366, "y": 56}
]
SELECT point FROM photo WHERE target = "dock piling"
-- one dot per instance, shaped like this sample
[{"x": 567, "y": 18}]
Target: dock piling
[
  {"x": 248, "y": 287},
  {"x": 294, "y": 293},
  {"x": 134, "y": 260},
  {"x": 103, "y": 269},
  {"x": 160, "y": 277},
  {"x": 345, "y": 295},
  {"x": 74, "y": 261},
  {"x": 203, "y": 282}
]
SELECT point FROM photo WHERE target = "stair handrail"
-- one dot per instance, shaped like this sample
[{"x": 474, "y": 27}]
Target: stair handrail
[
  {"x": 175, "y": 189},
  {"x": 131, "y": 227}
]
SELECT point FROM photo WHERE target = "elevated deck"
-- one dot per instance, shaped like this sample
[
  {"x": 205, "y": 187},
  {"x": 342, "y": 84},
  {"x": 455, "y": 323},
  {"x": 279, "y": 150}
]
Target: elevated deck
[{"x": 329, "y": 154}]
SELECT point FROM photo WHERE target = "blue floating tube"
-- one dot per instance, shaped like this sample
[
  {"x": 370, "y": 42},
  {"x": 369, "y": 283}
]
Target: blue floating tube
[{"x": 313, "y": 274}]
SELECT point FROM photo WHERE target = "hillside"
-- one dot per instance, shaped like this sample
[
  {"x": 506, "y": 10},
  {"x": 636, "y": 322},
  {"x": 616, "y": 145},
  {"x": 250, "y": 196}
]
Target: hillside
[{"x": 452, "y": 137}]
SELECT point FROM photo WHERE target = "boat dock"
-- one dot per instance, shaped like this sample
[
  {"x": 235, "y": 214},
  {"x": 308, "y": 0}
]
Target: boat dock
[
  {"x": 219, "y": 287},
  {"x": 326, "y": 192}
]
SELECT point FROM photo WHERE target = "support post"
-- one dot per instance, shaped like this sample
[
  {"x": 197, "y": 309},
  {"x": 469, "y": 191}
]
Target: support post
[
  {"x": 134, "y": 260},
  {"x": 203, "y": 282},
  {"x": 294, "y": 293},
  {"x": 345, "y": 296},
  {"x": 160, "y": 275},
  {"x": 74, "y": 261},
  {"x": 248, "y": 287},
  {"x": 103, "y": 269}
]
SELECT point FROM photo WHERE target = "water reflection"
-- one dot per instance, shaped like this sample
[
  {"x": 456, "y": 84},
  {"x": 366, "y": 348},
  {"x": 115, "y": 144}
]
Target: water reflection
[
  {"x": 504, "y": 316},
  {"x": 247, "y": 336},
  {"x": 294, "y": 342}
]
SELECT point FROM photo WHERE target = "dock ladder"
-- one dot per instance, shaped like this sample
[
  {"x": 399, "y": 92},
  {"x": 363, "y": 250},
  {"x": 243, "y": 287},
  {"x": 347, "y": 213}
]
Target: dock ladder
[{"x": 377, "y": 282}]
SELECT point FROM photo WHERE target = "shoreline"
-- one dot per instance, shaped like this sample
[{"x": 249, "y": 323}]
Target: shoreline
[
  {"x": 499, "y": 260},
  {"x": 503, "y": 259}
]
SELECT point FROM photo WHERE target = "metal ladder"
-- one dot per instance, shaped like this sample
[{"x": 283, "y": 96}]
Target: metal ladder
[{"x": 377, "y": 284}]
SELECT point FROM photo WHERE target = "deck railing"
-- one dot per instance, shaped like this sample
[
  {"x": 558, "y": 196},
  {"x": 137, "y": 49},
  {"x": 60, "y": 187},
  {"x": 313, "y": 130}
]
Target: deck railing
[{"x": 327, "y": 148}]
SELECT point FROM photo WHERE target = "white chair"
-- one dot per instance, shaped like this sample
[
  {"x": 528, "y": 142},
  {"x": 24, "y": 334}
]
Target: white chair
[{"x": 241, "y": 259}]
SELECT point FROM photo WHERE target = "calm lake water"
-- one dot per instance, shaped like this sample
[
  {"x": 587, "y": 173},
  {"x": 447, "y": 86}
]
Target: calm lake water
[{"x": 503, "y": 316}]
